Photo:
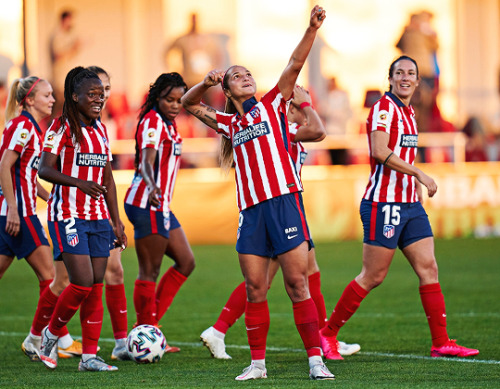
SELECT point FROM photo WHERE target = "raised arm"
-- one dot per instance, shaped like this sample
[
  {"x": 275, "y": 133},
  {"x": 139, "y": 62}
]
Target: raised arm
[
  {"x": 289, "y": 76},
  {"x": 313, "y": 129},
  {"x": 383, "y": 154},
  {"x": 191, "y": 101}
]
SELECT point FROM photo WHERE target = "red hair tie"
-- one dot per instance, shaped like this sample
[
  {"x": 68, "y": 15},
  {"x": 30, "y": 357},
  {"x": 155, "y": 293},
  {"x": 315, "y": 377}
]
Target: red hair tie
[{"x": 29, "y": 91}]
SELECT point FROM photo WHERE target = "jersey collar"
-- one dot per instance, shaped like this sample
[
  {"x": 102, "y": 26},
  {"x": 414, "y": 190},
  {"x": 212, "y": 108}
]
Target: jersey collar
[
  {"x": 157, "y": 110},
  {"x": 396, "y": 99},
  {"x": 32, "y": 120},
  {"x": 249, "y": 104},
  {"x": 93, "y": 123}
]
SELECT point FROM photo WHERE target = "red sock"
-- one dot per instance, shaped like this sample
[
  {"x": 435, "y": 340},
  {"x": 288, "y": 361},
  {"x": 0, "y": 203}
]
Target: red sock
[
  {"x": 433, "y": 302},
  {"x": 306, "y": 321},
  {"x": 44, "y": 309},
  {"x": 91, "y": 312},
  {"x": 117, "y": 307},
  {"x": 257, "y": 324},
  {"x": 317, "y": 296},
  {"x": 234, "y": 308},
  {"x": 348, "y": 304},
  {"x": 144, "y": 302},
  {"x": 67, "y": 304},
  {"x": 168, "y": 287}
]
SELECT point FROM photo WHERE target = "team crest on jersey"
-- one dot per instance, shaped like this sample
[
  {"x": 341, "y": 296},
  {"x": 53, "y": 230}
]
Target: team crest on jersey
[
  {"x": 35, "y": 163},
  {"x": 389, "y": 231},
  {"x": 72, "y": 239},
  {"x": 252, "y": 132},
  {"x": 255, "y": 113},
  {"x": 409, "y": 140}
]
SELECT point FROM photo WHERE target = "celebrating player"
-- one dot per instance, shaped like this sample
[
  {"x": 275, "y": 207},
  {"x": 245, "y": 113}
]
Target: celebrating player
[
  {"x": 157, "y": 231},
  {"x": 76, "y": 159},
  {"x": 271, "y": 223},
  {"x": 304, "y": 123},
  {"x": 393, "y": 216}
]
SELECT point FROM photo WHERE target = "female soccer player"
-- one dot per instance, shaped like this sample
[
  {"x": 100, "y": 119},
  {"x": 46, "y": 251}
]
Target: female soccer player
[
  {"x": 271, "y": 223},
  {"x": 116, "y": 301},
  {"x": 304, "y": 124},
  {"x": 147, "y": 202},
  {"x": 76, "y": 159},
  {"x": 393, "y": 216},
  {"x": 21, "y": 233}
]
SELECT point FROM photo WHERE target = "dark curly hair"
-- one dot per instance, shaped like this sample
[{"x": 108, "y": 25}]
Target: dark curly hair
[
  {"x": 167, "y": 82},
  {"x": 72, "y": 84}
]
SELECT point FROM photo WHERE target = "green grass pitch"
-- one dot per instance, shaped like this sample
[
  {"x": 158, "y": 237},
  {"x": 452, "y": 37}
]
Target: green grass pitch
[{"x": 390, "y": 325}]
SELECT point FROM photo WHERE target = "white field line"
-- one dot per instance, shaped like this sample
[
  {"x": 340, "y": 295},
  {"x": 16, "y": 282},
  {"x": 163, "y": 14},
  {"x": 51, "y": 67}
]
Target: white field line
[{"x": 286, "y": 349}]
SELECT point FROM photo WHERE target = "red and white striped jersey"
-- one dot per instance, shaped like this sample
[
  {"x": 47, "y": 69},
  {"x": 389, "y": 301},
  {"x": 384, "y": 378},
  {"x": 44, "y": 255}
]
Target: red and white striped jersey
[
  {"x": 389, "y": 114},
  {"x": 159, "y": 134},
  {"x": 297, "y": 150},
  {"x": 85, "y": 160},
  {"x": 261, "y": 144},
  {"x": 24, "y": 136}
]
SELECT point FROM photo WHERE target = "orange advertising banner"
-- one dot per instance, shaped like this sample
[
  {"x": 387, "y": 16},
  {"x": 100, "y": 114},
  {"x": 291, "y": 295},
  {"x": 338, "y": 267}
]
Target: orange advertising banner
[{"x": 467, "y": 202}]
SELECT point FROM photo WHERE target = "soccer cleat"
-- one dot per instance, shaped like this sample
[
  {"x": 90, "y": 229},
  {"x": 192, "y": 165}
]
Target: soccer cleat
[
  {"x": 172, "y": 349},
  {"x": 215, "y": 345},
  {"x": 320, "y": 372},
  {"x": 348, "y": 349},
  {"x": 120, "y": 353},
  {"x": 452, "y": 349},
  {"x": 252, "y": 372},
  {"x": 330, "y": 347},
  {"x": 95, "y": 364},
  {"x": 74, "y": 350},
  {"x": 31, "y": 347},
  {"x": 48, "y": 350}
]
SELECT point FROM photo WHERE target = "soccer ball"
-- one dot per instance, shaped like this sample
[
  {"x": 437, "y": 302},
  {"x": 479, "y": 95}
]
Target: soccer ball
[{"x": 146, "y": 344}]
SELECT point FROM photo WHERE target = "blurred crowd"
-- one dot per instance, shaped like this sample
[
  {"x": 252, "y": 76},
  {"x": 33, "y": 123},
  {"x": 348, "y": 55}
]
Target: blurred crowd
[{"x": 342, "y": 120}]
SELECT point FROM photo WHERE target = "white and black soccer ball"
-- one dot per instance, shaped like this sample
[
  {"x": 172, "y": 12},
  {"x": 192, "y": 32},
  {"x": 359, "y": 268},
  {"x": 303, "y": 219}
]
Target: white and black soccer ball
[{"x": 146, "y": 344}]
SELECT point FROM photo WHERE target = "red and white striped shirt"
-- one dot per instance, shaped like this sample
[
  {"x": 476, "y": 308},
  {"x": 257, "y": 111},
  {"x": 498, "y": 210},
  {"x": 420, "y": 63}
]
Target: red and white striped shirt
[
  {"x": 389, "y": 114},
  {"x": 161, "y": 135},
  {"x": 85, "y": 160},
  {"x": 23, "y": 136},
  {"x": 297, "y": 150},
  {"x": 261, "y": 144}
]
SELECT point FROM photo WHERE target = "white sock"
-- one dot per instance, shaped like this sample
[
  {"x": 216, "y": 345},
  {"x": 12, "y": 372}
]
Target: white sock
[
  {"x": 261, "y": 363},
  {"x": 65, "y": 341},
  {"x": 120, "y": 342},
  {"x": 218, "y": 334},
  {"x": 315, "y": 360},
  {"x": 36, "y": 337},
  {"x": 86, "y": 357}
]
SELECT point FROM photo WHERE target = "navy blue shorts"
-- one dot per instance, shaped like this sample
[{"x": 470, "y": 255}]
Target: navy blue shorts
[
  {"x": 147, "y": 222},
  {"x": 79, "y": 236},
  {"x": 272, "y": 227},
  {"x": 394, "y": 225},
  {"x": 30, "y": 236}
]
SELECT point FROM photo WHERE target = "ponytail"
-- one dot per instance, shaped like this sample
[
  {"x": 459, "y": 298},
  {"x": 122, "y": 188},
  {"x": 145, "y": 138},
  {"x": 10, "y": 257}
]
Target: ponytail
[{"x": 20, "y": 89}]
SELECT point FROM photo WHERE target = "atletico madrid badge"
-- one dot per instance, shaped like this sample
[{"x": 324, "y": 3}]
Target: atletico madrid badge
[
  {"x": 389, "y": 231},
  {"x": 72, "y": 239}
]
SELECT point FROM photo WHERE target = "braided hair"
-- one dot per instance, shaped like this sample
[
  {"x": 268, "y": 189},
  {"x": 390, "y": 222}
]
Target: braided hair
[
  {"x": 72, "y": 84},
  {"x": 167, "y": 82}
]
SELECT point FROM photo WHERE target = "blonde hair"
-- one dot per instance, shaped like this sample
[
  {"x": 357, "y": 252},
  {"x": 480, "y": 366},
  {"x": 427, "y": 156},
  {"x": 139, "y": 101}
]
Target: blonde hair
[{"x": 20, "y": 89}]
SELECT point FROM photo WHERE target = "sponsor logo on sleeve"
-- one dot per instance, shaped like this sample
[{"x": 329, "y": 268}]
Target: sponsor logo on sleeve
[
  {"x": 251, "y": 132},
  {"x": 50, "y": 140},
  {"x": 383, "y": 119},
  {"x": 409, "y": 140},
  {"x": 22, "y": 139},
  {"x": 91, "y": 159}
]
